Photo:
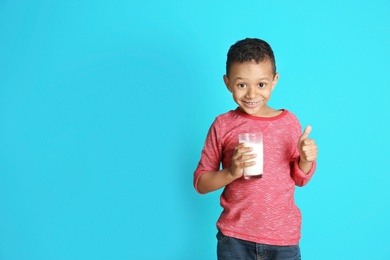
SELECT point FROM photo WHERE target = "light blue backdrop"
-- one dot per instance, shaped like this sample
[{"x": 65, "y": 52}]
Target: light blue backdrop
[{"x": 104, "y": 107}]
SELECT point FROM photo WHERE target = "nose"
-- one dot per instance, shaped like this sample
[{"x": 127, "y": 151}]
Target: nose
[{"x": 251, "y": 92}]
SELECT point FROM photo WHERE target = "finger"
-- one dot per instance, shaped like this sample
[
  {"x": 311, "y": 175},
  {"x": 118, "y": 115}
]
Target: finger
[
  {"x": 309, "y": 149},
  {"x": 310, "y": 154},
  {"x": 305, "y": 133},
  {"x": 238, "y": 148},
  {"x": 311, "y": 157},
  {"x": 244, "y": 149},
  {"x": 308, "y": 142},
  {"x": 248, "y": 164},
  {"x": 247, "y": 157},
  {"x": 243, "y": 153},
  {"x": 240, "y": 145}
]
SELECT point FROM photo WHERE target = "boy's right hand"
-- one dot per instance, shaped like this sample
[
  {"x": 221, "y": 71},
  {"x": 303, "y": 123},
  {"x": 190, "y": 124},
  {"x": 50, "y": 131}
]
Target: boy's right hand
[{"x": 239, "y": 160}]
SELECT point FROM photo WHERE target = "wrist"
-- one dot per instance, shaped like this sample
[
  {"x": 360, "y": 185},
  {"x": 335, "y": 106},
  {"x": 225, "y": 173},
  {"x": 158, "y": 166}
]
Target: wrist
[
  {"x": 231, "y": 176},
  {"x": 305, "y": 166}
]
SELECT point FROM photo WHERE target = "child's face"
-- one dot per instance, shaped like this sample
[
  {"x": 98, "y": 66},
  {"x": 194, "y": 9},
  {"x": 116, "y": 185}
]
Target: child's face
[{"x": 251, "y": 84}]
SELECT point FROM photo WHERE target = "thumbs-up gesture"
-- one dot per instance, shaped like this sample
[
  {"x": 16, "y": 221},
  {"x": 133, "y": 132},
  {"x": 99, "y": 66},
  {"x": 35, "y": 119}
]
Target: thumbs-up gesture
[{"x": 307, "y": 147}]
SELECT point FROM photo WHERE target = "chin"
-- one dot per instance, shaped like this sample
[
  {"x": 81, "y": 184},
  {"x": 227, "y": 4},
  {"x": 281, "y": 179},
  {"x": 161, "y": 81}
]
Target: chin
[{"x": 251, "y": 111}]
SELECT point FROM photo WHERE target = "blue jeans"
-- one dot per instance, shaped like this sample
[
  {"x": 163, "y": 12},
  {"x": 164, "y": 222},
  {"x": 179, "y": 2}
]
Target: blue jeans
[{"x": 230, "y": 248}]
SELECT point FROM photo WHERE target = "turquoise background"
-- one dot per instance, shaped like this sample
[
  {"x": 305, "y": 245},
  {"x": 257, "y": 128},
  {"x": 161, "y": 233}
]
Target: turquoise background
[{"x": 104, "y": 107}]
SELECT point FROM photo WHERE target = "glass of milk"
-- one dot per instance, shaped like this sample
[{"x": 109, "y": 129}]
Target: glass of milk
[{"x": 254, "y": 140}]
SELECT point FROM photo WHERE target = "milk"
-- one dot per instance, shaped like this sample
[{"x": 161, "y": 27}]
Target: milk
[
  {"x": 256, "y": 169},
  {"x": 254, "y": 140}
]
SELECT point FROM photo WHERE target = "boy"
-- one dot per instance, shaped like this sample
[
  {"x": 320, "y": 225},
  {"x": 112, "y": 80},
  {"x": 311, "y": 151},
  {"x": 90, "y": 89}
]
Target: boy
[{"x": 259, "y": 217}]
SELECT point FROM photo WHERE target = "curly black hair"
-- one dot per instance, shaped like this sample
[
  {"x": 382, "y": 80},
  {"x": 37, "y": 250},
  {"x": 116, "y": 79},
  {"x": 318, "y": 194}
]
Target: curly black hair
[{"x": 250, "y": 49}]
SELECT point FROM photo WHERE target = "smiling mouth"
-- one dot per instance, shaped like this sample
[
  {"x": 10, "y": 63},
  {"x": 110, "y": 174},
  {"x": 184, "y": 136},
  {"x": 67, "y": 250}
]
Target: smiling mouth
[{"x": 251, "y": 103}]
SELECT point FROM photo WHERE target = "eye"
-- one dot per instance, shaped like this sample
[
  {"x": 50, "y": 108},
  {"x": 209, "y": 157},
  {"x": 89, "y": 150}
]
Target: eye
[
  {"x": 262, "y": 85},
  {"x": 242, "y": 85}
]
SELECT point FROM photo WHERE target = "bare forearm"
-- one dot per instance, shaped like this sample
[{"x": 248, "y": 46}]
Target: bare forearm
[
  {"x": 211, "y": 181},
  {"x": 305, "y": 166}
]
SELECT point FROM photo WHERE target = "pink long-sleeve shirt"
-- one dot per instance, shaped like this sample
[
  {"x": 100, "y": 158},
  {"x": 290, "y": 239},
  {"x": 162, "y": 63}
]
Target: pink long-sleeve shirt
[{"x": 258, "y": 210}]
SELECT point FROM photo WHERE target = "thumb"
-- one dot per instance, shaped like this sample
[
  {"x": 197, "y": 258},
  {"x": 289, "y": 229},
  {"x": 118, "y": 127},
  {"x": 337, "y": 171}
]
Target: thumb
[{"x": 305, "y": 133}]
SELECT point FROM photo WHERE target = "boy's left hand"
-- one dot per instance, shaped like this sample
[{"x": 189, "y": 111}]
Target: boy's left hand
[{"x": 307, "y": 147}]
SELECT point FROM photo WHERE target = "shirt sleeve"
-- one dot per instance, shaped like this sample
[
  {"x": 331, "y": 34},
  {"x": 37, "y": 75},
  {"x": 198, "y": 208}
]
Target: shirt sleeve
[
  {"x": 300, "y": 178},
  {"x": 211, "y": 155}
]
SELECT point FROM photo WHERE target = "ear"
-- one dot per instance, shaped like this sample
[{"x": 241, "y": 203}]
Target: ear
[
  {"x": 275, "y": 81},
  {"x": 227, "y": 82}
]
